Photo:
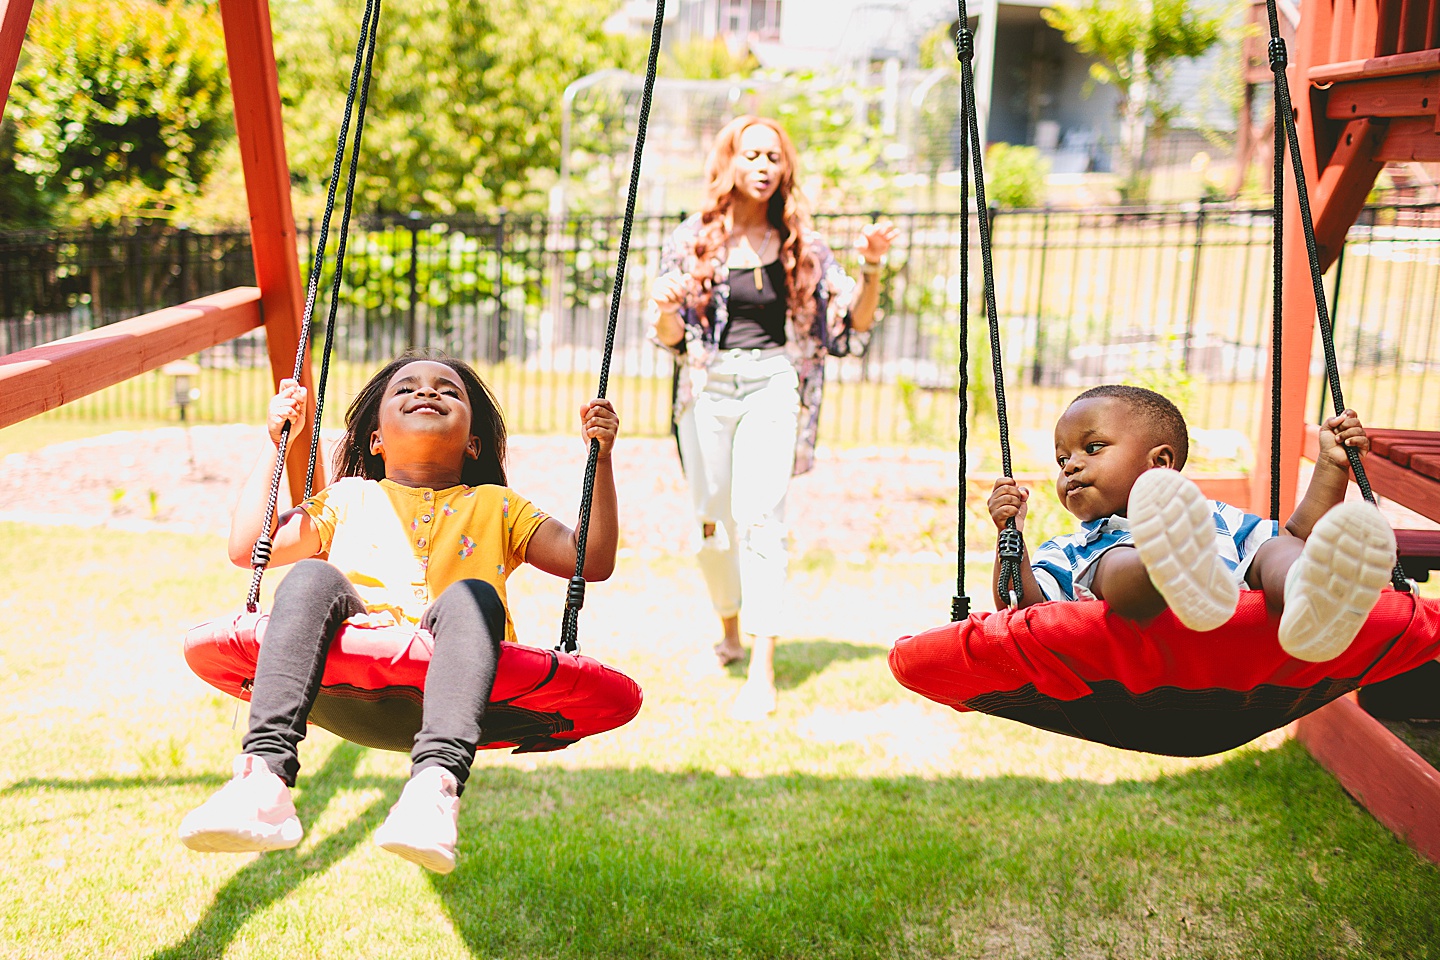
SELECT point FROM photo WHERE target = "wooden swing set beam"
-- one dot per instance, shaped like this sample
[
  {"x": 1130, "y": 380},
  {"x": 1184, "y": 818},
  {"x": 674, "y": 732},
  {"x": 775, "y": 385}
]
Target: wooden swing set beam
[
  {"x": 44, "y": 377},
  {"x": 47, "y": 376}
]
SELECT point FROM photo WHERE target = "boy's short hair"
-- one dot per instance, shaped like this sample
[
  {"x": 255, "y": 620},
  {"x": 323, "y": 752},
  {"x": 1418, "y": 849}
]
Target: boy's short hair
[{"x": 1165, "y": 419}]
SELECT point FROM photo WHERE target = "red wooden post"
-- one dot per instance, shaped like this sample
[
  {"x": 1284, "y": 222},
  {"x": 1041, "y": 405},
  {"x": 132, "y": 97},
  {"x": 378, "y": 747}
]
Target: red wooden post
[
  {"x": 14, "y": 18},
  {"x": 255, "y": 87}
]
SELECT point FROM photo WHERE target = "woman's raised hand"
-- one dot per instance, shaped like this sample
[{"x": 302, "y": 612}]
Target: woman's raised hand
[
  {"x": 668, "y": 294},
  {"x": 875, "y": 240},
  {"x": 288, "y": 404},
  {"x": 668, "y": 291},
  {"x": 599, "y": 421}
]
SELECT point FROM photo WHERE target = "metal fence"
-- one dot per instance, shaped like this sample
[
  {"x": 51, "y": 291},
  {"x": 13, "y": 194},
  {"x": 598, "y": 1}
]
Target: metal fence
[{"x": 1176, "y": 298}]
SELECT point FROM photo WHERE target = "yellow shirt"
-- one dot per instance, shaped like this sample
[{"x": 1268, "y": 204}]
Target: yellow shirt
[{"x": 402, "y": 546}]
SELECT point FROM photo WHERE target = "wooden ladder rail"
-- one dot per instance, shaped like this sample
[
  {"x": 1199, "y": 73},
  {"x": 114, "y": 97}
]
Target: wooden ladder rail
[{"x": 1364, "y": 74}]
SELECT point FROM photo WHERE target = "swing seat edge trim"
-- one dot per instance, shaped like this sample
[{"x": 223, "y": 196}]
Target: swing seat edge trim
[{"x": 374, "y": 679}]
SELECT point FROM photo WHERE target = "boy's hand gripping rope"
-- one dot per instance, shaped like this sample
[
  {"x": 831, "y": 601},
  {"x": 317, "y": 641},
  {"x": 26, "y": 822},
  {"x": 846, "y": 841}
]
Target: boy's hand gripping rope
[
  {"x": 1011, "y": 546},
  {"x": 364, "y": 51},
  {"x": 575, "y": 591},
  {"x": 1285, "y": 115}
]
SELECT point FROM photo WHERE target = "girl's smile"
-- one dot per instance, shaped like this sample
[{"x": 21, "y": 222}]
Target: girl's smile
[{"x": 424, "y": 422}]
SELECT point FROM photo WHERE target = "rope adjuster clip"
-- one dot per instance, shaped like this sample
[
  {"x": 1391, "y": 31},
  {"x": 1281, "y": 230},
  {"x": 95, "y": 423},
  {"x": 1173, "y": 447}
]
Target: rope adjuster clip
[
  {"x": 964, "y": 44},
  {"x": 1010, "y": 547},
  {"x": 575, "y": 593},
  {"x": 1279, "y": 58},
  {"x": 260, "y": 553}
]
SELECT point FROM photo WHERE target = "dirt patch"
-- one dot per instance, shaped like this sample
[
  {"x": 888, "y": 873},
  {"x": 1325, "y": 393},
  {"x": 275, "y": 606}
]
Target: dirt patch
[{"x": 856, "y": 504}]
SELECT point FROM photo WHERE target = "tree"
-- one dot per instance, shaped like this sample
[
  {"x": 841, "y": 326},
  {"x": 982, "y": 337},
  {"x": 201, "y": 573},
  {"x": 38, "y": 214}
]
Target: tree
[
  {"x": 465, "y": 102},
  {"x": 1135, "y": 44},
  {"x": 705, "y": 59},
  {"x": 115, "y": 98}
]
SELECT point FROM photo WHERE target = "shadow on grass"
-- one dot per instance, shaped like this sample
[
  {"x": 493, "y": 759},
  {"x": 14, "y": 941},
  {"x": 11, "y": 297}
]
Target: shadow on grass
[
  {"x": 273, "y": 876},
  {"x": 798, "y": 660},
  {"x": 611, "y": 863},
  {"x": 1261, "y": 855},
  {"x": 114, "y": 783}
]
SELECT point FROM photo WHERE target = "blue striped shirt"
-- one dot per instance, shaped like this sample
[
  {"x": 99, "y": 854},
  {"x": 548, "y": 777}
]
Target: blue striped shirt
[{"x": 1065, "y": 566}]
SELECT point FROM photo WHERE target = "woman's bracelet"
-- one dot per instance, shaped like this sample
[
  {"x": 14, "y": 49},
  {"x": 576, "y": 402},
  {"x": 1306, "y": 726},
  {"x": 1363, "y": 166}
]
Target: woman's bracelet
[{"x": 871, "y": 269}]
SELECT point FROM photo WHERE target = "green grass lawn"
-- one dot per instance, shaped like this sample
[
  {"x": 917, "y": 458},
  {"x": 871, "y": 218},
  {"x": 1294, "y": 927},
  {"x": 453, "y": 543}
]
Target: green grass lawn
[{"x": 860, "y": 821}]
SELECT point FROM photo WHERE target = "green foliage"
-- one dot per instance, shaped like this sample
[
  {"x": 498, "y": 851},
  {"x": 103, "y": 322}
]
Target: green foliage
[
  {"x": 1135, "y": 44},
  {"x": 841, "y": 151},
  {"x": 1114, "y": 31},
  {"x": 465, "y": 103},
  {"x": 702, "y": 59},
  {"x": 115, "y": 98},
  {"x": 1015, "y": 175}
]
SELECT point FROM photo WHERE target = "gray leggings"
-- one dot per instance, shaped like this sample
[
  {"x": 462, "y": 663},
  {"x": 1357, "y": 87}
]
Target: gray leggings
[{"x": 314, "y": 599}]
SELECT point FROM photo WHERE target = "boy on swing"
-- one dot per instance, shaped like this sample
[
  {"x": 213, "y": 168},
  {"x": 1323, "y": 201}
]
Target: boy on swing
[{"x": 1151, "y": 541}]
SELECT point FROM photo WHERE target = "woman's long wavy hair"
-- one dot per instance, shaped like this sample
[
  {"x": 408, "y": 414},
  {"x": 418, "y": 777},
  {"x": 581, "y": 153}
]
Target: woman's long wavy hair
[
  {"x": 354, "y": 459},
  {"x": 788, "y": 214}
]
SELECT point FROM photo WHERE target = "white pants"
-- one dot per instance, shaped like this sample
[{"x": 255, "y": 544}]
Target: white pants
[{"x": 738, "y": 443}]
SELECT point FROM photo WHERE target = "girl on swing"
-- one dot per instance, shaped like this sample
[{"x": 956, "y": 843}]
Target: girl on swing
[
  {"x": 418, "y": 528},
  {"x": 1151, "y": 541}
]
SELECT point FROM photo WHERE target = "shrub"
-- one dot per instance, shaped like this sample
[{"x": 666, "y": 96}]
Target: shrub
[{"x": 1015, "y": 175}]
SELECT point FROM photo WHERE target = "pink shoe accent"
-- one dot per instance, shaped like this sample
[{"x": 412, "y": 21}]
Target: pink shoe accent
[{"x": 251, "y": 813}]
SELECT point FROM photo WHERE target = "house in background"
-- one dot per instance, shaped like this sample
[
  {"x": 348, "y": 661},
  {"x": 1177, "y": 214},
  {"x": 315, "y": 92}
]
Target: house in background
[{"x": 1035, "y": 92}]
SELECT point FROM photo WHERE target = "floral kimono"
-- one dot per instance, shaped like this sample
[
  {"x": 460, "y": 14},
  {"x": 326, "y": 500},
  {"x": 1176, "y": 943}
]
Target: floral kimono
[{"x": 829, "y": 335}]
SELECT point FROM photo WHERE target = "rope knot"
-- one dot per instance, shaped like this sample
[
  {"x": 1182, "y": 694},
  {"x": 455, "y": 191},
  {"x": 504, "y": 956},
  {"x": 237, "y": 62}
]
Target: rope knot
[
  {"x": 575, "y": 593},
  {"x": 260, "y": 553},
  {"x": 964, "y": 44},
  {"x": 1278, "y": 56}
]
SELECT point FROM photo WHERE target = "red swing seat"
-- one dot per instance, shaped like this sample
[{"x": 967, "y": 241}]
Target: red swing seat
[
  {"x": 1080, "y": 670},
  {"x": 374, "y": 682}
]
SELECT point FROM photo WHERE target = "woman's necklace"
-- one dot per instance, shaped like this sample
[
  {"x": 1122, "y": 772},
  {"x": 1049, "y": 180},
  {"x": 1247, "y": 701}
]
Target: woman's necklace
[{"x": 759, "y": 272}]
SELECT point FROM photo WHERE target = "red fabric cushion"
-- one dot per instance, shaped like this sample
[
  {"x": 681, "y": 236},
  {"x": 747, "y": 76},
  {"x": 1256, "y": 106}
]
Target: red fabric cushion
[
  {"x": 1078, "y": 669},
  {"x": 541, "y": 700}
]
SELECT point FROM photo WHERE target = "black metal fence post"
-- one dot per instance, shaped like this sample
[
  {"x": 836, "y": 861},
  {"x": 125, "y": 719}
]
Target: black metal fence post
[
  {"x": 412, "y": 332},
  {"x": 1196, "y": 252}
]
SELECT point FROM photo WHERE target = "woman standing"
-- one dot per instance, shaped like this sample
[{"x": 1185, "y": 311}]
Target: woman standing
[{"x": 752, "y": 301}]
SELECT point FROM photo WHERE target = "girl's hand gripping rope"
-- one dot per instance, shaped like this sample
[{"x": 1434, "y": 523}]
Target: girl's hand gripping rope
[
  {"x": 288, "y": 405},
  {"x": 598, "y": 421}
]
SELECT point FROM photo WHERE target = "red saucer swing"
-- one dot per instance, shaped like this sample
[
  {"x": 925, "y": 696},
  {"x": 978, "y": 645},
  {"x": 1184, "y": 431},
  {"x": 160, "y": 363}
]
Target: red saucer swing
[
  {"x": 374, "y": 677},
  {"x": 1074, "y": 667}
]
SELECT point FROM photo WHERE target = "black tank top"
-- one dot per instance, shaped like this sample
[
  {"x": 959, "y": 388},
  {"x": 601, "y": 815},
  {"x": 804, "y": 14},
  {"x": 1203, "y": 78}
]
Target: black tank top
[{"x": 757, "y": 316}]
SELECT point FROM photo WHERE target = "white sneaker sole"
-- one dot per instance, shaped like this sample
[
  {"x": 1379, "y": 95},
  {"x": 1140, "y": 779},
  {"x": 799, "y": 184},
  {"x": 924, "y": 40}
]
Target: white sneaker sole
[
  {"x": 1173, "y": 527},
  {"x": 1332, "y": 588},
  {"x": 434, "y": 859},
  {"x": 253, "y": 837}
]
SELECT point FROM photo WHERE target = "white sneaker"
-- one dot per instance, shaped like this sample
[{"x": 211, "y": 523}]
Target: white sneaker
[
  {"x": 1173, "y": 526},
  {"x": 755, "y": 701},
  {"x": 253, "y": 812},
  {"x": 1333, "y": 586},
  {"x": 421, "y": 826}
]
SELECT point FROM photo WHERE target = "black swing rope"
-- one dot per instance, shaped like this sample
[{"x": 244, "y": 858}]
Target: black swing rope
[
  {"x": 1011, "y": 545},
  {"x": 1285, "y": 117},
  {"x": 364, "y": 52},
  {"x": 1012, "y": 542}
]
